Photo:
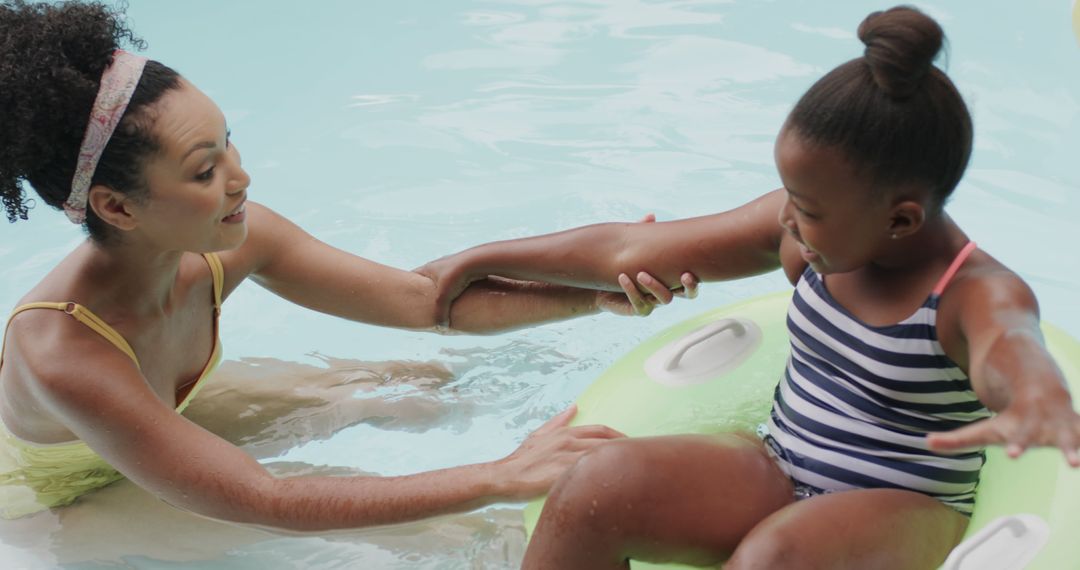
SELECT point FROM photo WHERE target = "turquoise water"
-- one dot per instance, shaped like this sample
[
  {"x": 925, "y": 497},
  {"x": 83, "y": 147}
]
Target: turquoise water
[{"x": 406, "y": 130}]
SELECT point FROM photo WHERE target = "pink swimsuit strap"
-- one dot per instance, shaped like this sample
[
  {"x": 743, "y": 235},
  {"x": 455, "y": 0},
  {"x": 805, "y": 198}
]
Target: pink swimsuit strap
[{"x": 949, "y": 273}]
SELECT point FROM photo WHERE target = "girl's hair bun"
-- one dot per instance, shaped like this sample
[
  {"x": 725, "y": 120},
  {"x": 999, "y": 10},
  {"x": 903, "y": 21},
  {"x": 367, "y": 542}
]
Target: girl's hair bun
[
  {"x": 901, "y": 44},
  {"x": 891, "y": 112}
]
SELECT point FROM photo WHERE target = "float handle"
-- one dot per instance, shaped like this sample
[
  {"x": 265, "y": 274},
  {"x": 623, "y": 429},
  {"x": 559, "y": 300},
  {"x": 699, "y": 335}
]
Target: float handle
[
  {"x": 1030, "y": 529},
  {"x": 700, "y": 336}
]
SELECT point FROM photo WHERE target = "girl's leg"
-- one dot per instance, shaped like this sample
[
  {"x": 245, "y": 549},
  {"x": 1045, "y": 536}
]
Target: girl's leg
[
  {"x": 685, "y": 499},
  {"x": 872, "y": 529}
]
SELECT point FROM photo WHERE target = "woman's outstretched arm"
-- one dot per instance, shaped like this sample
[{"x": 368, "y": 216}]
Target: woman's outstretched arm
[
  {"x": 300, "y": 268},
  {"x": 105, "y": 401}
]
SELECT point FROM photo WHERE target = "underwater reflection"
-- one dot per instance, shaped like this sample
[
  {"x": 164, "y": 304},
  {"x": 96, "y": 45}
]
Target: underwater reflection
[{"x": 267, "y": 406}]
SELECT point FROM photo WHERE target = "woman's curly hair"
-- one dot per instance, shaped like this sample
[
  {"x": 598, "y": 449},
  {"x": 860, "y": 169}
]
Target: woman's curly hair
[{"x": 51, "y": 60}]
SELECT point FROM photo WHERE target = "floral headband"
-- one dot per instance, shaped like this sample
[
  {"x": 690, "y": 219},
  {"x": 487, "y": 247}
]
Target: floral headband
[{"x": 117, "y": 85}]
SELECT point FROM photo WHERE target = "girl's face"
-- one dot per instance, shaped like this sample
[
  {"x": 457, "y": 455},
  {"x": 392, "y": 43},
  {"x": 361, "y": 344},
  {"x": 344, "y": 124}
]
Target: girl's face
[
  {"x": 197, "y": 186},
  {"x": 835, "y": 215}
]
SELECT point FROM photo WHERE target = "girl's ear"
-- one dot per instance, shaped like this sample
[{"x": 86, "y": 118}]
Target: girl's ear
[{"x": 906, "y": 218}]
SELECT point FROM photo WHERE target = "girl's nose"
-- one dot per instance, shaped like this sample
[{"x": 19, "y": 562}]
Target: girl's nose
[{"x": 785, "y": 218}]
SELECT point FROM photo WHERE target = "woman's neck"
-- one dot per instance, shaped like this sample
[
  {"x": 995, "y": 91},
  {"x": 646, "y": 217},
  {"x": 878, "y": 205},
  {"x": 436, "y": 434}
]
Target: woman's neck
[{"x": 136, "y": 279}]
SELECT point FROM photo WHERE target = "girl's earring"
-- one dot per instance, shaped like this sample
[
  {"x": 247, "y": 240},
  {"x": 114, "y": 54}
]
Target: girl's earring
[{"x": 894, "y": 236}]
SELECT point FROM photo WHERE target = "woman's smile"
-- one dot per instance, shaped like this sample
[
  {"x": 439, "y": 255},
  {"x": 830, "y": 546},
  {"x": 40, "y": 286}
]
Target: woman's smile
[{"x": 237, "y": 215}]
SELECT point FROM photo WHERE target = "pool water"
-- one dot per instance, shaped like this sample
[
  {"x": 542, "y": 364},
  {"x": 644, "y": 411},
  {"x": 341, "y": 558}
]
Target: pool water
[{"x": 403, "y": 131}]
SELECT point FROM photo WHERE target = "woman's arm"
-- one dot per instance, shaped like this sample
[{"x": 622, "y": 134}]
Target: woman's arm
[
  {"x": 737, "y": 243},
  {"x": 295, "y": 265},
  {"x": 107, "y": 403},
  {"x": 1011, "y": 371}
]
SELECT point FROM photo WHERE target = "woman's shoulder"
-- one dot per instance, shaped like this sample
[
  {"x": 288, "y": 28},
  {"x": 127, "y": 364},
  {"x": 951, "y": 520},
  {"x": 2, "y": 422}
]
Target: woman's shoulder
[
  {"x": 266, "y": 230},
  {"x": 47, "y": 353}
]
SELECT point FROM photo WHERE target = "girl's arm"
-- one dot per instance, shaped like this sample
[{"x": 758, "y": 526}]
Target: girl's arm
[
  {"x": 737, "y": 243},
  {"x": 295, "y": 265},
  {"x": 1011, "y": 371},
  {"x": 497, "y": 304},
  {"x": 106, "y": 402}
]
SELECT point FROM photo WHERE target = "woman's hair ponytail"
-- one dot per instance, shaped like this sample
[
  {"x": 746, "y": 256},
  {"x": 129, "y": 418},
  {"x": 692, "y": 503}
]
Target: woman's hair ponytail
[{"x": 52, "y": 56}]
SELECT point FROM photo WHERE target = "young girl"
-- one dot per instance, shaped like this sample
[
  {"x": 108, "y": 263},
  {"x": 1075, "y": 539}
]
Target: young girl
[
  {"x": 102, "y": 354},
  {"x": 911, "y": 349}
]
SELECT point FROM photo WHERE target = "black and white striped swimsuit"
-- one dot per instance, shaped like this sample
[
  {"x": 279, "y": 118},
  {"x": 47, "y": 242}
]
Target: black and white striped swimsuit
[{"x": 856, "y": 401}]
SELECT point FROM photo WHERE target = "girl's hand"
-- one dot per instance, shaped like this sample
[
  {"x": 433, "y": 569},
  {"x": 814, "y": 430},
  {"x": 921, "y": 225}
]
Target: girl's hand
[
  {"x": 1045, "y": 420},
  {"x": 642, "y": 297},
  {"x": 451, "y": 278},
  {"x": 547, "y": 453}
]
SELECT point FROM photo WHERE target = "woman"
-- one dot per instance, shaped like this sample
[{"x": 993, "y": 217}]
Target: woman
[{"x": 101, "y": 354}]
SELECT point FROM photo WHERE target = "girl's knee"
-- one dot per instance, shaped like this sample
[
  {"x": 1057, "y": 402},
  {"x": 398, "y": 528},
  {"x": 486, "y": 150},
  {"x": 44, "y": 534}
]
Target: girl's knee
[
  {"x": 777, "y": 548},
  {"x": 605, "y": 480}
]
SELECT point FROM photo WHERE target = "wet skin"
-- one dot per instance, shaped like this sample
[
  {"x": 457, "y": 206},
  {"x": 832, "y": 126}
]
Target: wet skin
[{"x": 707, "y": 499}]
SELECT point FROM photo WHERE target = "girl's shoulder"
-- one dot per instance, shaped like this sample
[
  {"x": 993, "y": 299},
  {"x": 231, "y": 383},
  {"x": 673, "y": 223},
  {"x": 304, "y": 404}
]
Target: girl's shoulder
[
  {"x": 981, "y": 277},
  {"x": 985, "y": 290}
]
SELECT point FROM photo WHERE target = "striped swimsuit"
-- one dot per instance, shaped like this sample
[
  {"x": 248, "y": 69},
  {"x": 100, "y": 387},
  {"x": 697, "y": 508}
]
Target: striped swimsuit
[{"x": 856, "y": 401}]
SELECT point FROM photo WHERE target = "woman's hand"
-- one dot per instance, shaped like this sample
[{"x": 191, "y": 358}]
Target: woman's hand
[
  {"x": 641, "y": 297},
  {"x": 547, "y": 453},
  {"x": 1041, "y": 420},
  {"x": 451, "y": 279},
  {"x": 452, "y": 275}
]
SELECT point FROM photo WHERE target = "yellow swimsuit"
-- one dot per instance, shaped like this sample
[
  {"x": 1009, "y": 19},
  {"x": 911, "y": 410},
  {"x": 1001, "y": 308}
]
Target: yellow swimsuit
[{"x": 36, "y": 476}]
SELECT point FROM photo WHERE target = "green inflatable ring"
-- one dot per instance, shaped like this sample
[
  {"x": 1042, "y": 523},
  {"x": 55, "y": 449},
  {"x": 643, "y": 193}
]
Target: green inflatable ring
[
  {"x": 738, "y": 398},
  {"x": 1076, "y": 19}
]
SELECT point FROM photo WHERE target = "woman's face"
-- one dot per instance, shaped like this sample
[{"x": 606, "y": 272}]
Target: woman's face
[
  {"x": 197, "y": 186},
  {"x": 834, "y": 214}
]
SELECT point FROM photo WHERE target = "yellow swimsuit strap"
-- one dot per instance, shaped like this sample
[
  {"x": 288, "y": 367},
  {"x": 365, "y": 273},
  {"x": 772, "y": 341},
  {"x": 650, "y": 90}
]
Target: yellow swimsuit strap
[
  {"x": 88, "y": 318},
  {"x": 218, "y": 272},
  {"x": 84, "y": 316}
]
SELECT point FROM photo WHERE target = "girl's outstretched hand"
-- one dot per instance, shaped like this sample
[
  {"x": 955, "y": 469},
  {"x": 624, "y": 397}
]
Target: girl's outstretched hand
[
  {"x": 547, "y": 453},
  {"x": 451, "y": 278},
  {"x": 1048, "y": 420},
  {"x": 1010, "y": 369},
  {"x": 641, "y": 297}
]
